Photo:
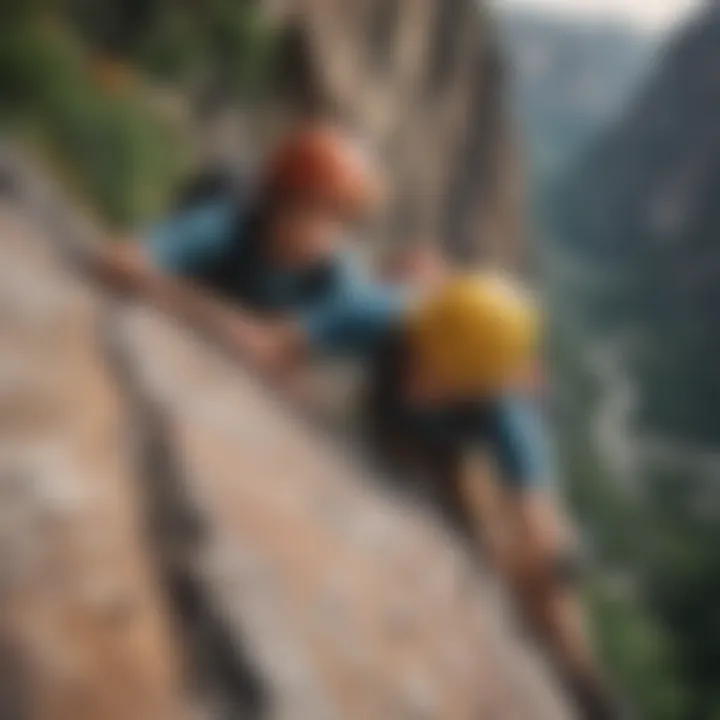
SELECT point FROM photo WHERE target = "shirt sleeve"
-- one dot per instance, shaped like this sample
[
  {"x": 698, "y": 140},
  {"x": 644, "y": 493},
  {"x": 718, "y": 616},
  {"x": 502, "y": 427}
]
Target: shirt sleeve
[
  {"x": 191, "y": 241},
  {"x": 355, "y": 323},
  {"x": 519, "y": 445}
]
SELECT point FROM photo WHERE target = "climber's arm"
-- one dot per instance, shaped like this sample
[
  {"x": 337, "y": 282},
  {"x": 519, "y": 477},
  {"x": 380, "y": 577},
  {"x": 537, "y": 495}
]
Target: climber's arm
[
  {"x": 185, "y": 245},
  {"x": 348, "y": 322},
  {"x": 167, "y": 267},
  {"x": 269, "y": 344}
]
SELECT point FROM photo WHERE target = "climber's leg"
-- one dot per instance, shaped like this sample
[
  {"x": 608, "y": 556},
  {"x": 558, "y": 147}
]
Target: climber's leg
[
  {"x": 447, "y": 477},
  {"x": 546, "y": 580}
]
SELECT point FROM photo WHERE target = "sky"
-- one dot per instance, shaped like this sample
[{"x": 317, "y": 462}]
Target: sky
[{"x": 653, "y": 15}]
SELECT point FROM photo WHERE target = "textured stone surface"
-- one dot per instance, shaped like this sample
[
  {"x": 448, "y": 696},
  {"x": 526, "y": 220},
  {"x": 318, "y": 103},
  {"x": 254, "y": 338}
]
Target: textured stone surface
[
  {"x": 157, "y": 503},
  {"x": 84, "y": 631},
  {"x": 424, "y": 79}
]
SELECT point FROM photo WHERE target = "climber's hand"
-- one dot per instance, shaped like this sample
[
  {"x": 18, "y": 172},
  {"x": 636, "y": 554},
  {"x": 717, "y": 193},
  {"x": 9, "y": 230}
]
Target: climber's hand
[
  {"x": 272, "y": 347},
  {"x": 123, "y": 266}
]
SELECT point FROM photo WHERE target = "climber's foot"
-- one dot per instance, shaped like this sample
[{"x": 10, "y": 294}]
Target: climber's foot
[{"x": 594, "y": 699}]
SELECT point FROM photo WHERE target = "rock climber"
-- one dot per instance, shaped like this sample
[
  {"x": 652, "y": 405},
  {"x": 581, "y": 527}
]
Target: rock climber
[
  {"x": 449, "y": 373},
  {"x": 260, "y": 270},
  {"x": 447, "y": 363}
]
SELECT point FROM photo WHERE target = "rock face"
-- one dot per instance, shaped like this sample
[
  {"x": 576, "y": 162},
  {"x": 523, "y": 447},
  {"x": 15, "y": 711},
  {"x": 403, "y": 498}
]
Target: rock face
[
  {"x": 176, "y": 544},
  {"x": 85, "y": 632},
  {"x": 424, "y": 80}
]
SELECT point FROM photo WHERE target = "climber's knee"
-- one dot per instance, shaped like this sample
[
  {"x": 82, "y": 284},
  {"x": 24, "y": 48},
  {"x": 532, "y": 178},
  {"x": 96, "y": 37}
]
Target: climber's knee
[
  {"x": 568, "y": 569},
  {"x": 563, "y": 570}
]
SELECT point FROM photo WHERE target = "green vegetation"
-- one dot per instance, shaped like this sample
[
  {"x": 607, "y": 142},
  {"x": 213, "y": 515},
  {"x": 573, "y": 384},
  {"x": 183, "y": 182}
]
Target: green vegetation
[
  {"x": 638, "y": 216},
  {"x": 75, "y": 76},
  {"x": 110, "y": 145},
  {"x": 628, "y": 540}
]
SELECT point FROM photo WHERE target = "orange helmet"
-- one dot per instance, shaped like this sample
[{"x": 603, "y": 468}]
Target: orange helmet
[{"x": 322, "y": 163}]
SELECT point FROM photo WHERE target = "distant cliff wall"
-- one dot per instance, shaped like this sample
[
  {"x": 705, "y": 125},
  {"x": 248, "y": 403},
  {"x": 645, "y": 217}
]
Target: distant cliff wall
[
  {"x": 425, "y": 81},
  {"x": 640, "y": 214}
]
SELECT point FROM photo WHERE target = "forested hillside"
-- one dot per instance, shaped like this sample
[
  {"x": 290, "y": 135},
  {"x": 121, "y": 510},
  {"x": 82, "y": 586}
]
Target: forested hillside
[{"x": 634, "y": 265}]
